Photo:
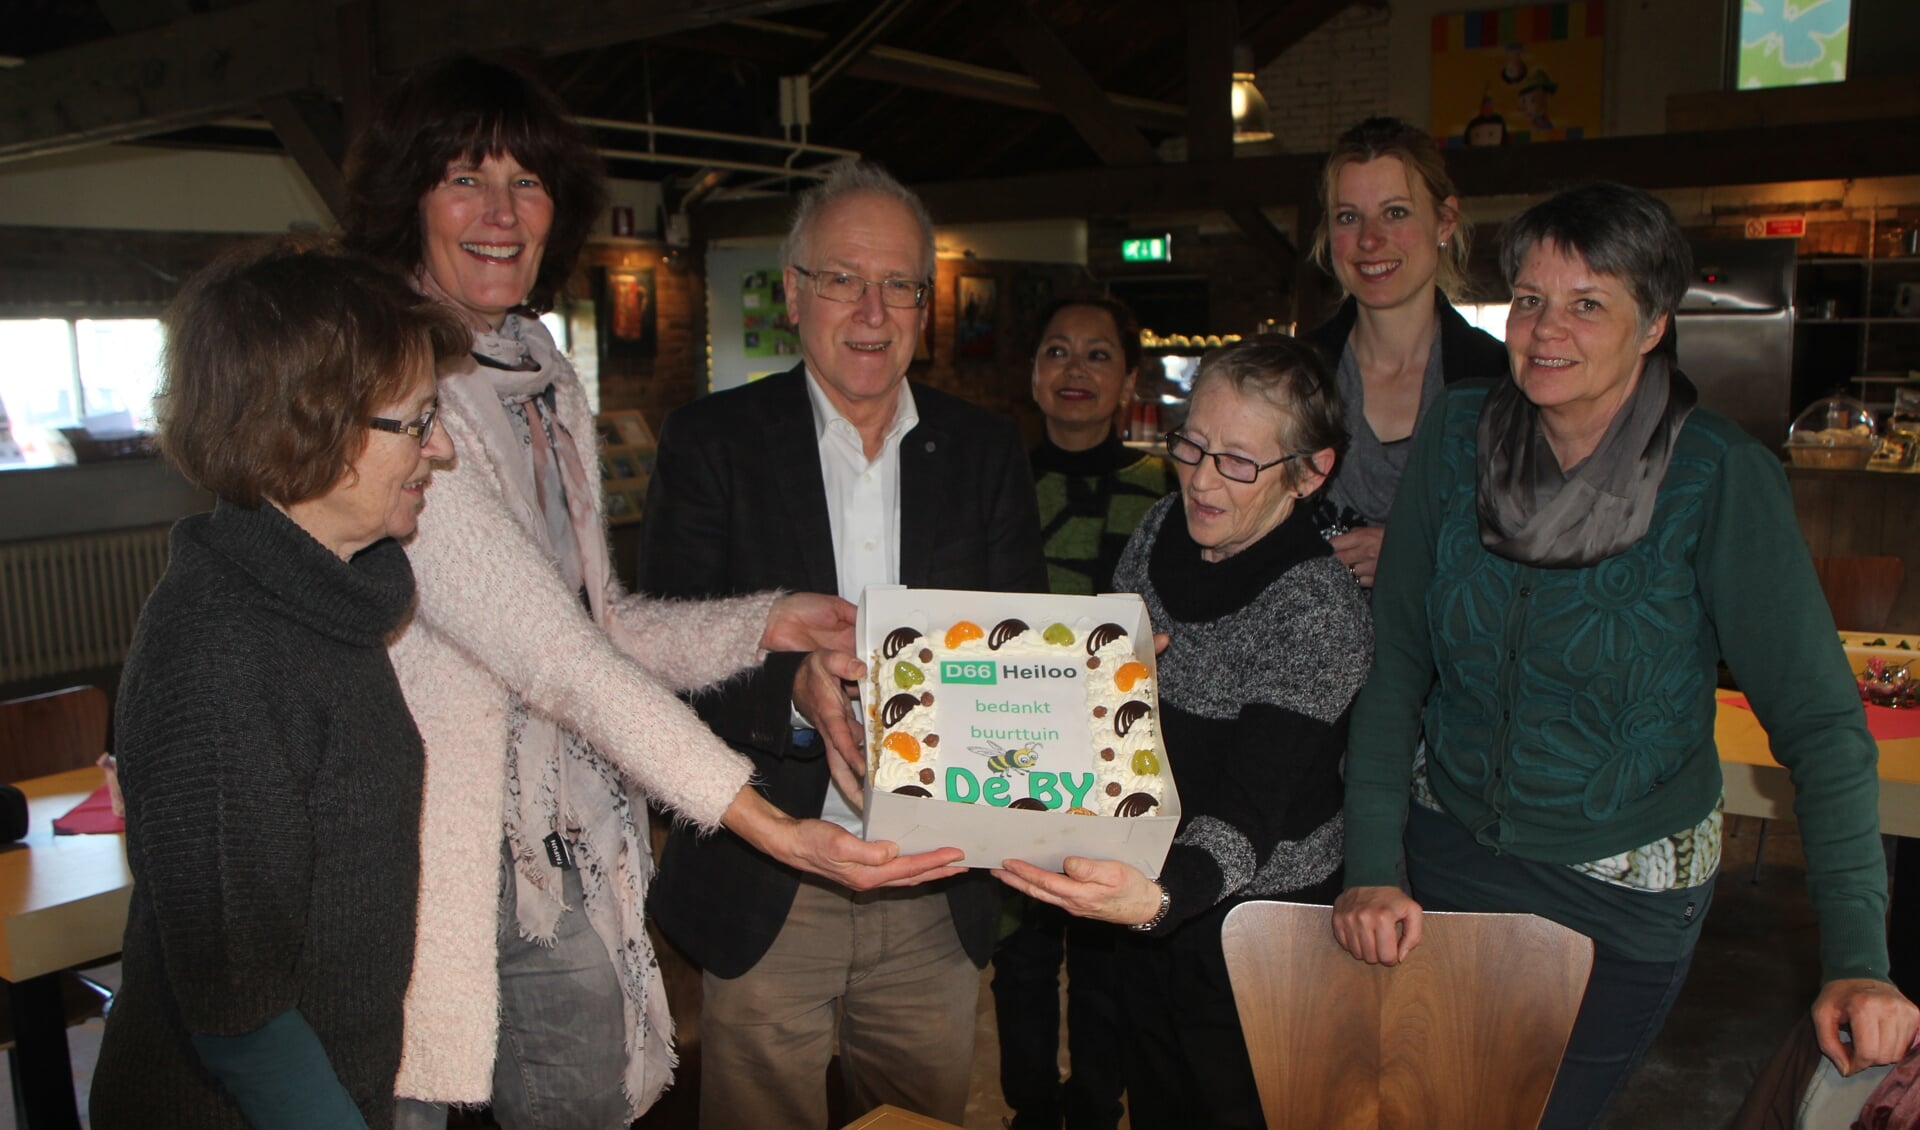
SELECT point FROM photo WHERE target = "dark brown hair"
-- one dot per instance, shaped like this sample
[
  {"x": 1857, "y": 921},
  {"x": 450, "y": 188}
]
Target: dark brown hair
[
  {"x": 277, "y": 355},
  {"x": 1290, "y": 375},
  {"x": 1415, "y": 150},
  {"x": 466, "y": 110},
  {"x": 1123, "y": 320}
]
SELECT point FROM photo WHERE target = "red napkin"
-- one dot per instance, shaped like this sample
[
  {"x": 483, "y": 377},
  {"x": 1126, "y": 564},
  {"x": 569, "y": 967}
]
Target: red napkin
[
  {"x": 1884, "y": 723},
  {"x": 92, "y": 815}
]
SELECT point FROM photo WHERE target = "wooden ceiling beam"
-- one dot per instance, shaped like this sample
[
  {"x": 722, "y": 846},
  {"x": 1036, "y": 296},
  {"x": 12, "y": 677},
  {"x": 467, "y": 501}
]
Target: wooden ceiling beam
[
  {"x": 194, "y": 70},
  {"x": 772, "y": 42},
  {"x": 1070, "y": 86},
  {"x": 314, "y": 135},
  {"x": 1653, "y": 161},
  {"x": 1210, "y": 28}
]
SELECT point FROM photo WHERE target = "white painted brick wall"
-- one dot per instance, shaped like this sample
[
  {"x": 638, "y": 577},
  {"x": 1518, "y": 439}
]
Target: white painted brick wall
[{"x": 1328, "y": 81}]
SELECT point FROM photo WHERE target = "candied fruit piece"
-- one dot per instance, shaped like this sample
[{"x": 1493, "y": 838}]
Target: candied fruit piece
[
  {"x": 907, "y": 675},
  {"x": 962, "y": 632},
  {"x": 1146, "y": 763},
  {"x": 908, "y": 747},
  {"x": 1128, "y": 675},
  {"x": 1058, "y": 634}
]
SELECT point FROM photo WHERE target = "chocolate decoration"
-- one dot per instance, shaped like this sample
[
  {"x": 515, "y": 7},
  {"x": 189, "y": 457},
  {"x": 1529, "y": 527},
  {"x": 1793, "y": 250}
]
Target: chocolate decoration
[
  {"x": 1136, "y": 804},
  {"x": 1113, "y": 788},
  {"x": 926, "y": 776},
  {"x": 1029, "y": 804},
  {"x": 898, "y": 707},
  {"x": 896, "y": 642},
  {"x": 926, "y": 655},
  {"x": 1130, "y": 712},
  {"x": 1106, "y": 754},
  {"x": 1103, "y": 635},
  {"x": 1004, "y": 631},
  {"x": 931, "y": 741},
  {"x": 916, "y": 790},
  {"x": 926, "y": 698},
  {"x": 1099, "y": 712}
]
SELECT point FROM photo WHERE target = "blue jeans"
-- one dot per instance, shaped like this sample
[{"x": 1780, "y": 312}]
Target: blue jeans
[{"x": 563, "y": 1031}]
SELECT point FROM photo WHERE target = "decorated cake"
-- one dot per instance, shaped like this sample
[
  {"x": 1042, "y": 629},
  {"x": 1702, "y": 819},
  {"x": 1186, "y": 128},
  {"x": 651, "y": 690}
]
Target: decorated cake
[{"x": 1058, "y": 718}]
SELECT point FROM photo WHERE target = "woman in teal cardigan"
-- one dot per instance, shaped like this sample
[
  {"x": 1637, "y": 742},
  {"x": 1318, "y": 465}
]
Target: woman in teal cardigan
[{"x": 1579, "y": 547}]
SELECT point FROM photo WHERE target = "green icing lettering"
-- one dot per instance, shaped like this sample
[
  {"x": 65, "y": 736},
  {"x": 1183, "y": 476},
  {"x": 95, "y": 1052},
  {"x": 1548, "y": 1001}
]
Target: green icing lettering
[
  {"x": 1077, "y": 797},
  {"x": 1041, "y": 787},
  {"x": 995, "y": 791},
  {"x": 962, "y": 786}
]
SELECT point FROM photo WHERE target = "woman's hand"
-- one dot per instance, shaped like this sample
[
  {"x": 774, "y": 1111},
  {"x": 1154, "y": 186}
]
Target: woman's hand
[
  {"x": 1881, "y": 1020},
  {"x": 830, "y": 851},
  {"x": 806, "y": 621},
  {"x": 1102, "y": 889},
  {"x": 1378, "y": 925},
  {"x": 1359, "y": 551}
]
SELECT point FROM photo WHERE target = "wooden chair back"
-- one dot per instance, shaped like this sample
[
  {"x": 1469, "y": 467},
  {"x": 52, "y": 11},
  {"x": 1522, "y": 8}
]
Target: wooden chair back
[
  {"x": 1466, "y": 1034},
  {"x": 1861, "y": 591},
  {"x": 52, "y": 733}
]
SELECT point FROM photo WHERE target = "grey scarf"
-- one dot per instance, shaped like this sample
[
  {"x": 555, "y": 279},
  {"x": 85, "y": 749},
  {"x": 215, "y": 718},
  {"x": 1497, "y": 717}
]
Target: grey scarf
[{"x": 1534, "y": 513}]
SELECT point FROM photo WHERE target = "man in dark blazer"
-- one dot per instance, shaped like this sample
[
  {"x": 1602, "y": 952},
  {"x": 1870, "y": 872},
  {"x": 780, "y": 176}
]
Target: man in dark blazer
[{"x": 831, "y": 476}]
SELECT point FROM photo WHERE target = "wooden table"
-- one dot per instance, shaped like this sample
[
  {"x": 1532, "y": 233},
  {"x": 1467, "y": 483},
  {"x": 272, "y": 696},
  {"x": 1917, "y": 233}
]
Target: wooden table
[
  {"x": 63, "y": 902},
  {"x": 1757, "y": 785}
]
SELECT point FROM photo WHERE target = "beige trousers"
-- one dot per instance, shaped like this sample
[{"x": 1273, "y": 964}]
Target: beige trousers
[{"x": 880, "y": 978}]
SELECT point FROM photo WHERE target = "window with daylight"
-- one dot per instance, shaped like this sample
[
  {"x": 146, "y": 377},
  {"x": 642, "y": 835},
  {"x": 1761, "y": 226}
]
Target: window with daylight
[
  {"x": 1792, "y": 42},
  {"x": 60, "y": 371}
]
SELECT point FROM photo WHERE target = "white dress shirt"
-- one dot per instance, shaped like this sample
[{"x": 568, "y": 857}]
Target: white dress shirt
[{"x": 863, "y": 508}]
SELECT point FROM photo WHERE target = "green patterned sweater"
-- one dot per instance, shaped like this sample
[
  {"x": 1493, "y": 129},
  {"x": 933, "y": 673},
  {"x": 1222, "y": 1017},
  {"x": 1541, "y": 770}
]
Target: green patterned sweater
[
  {"x": 1090, "y": 502},
  {"x": 1568, "y": 713}
]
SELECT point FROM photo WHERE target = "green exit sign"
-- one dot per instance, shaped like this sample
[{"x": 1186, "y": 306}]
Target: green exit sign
[{"x": 1147, "y": 249}]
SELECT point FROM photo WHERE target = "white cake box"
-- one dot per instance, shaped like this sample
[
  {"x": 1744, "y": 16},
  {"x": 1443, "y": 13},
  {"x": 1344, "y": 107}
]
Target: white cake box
[{"x": 987, "y": 830}]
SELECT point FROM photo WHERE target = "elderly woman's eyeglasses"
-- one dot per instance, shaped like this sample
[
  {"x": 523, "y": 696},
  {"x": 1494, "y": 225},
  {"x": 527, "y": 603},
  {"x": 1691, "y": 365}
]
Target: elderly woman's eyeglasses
[
  {"x": 421, "y": 427},
  {"x": 1236, "y": 467},
  {"x": 839, "y": 286}
]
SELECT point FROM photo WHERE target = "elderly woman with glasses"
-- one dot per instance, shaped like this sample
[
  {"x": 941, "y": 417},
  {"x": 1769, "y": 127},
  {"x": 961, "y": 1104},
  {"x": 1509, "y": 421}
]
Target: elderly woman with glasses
[
  {"x": 1577, "y": 548},
  {"x": 545, "y": 693},
  {"x": 270, "y": 768},
  {"x": 1269, "y": 642}
]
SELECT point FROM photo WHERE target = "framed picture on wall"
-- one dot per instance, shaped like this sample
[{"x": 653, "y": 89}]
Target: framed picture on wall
[
  {"x": 976, "y": 315},
  {"x": 629, "y": 323}
]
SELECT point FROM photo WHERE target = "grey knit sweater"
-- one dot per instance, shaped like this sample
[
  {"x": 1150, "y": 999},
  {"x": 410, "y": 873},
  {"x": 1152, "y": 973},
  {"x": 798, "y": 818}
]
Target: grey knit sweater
[
  {"x": 1269, "y": 648},
  {"x": 272, "y": 778}
]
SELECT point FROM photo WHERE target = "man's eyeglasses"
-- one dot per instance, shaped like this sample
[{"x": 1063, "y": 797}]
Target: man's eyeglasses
[
  {"x": 1236, "y": 467},
  {"x": 839, "y": 286},
  {"x": 421, "y": 427}
]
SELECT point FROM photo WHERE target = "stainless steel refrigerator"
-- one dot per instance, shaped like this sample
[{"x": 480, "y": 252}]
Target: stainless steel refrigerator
[{"x": 1735, "y": 330}]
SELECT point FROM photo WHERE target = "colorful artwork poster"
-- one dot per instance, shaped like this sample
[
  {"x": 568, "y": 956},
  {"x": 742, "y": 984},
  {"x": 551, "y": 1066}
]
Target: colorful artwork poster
[
  {"x": 763, "y": 316},
  {"x": 1793, "y": 42},
  {"x": 1507, "y": 75},
  {"x": 975, "y": 314}
]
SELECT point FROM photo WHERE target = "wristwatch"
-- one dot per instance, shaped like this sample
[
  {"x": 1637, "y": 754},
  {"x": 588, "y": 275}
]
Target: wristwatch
[{"x": 1152, "y": 924}]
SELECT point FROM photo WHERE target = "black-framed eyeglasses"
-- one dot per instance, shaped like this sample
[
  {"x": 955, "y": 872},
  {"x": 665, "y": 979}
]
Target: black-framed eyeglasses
[
  {"x": 839, "y": 286},
  {"x": 420, "y": 427},
  {"x": 1236, "y": 467}
]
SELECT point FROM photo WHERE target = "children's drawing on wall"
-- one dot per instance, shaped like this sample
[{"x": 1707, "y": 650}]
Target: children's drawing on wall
[
  {"x": 1511, "y": 75},
  {"x": 1793, "y": 42},
  {"x": 763, "y": 307}
]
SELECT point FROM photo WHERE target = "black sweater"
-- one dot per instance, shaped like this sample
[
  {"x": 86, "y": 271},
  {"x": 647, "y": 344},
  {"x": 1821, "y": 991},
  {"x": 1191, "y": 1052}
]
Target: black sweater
[
  {"x": 272, "y": 777},
  {"x": 1269, "y": 648}
]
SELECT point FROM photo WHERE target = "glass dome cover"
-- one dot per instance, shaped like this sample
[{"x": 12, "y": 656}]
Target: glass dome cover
[{"x": 1835, "y": 432}]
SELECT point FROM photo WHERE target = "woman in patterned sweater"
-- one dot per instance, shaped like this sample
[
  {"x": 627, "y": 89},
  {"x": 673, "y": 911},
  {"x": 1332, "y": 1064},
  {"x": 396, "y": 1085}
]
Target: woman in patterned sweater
[{"x": 1269, "y": 643}]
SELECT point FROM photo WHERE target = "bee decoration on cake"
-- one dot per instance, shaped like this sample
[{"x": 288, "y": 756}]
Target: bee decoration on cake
[{"x": 1001, "y": 762}]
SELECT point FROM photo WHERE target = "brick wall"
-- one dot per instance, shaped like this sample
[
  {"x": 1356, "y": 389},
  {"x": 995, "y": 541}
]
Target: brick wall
[
  {"x": 658, "y": 384},
  {"x": 1326, "y": 82}
]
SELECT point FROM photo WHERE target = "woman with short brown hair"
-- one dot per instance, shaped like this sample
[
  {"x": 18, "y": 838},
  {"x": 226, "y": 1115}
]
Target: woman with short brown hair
[{"x": 271, "y": 771}]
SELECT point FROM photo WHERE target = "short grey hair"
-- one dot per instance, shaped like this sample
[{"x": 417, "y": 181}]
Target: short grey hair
[
  {"x": 1628, "y": 233},
  {"x": 855, "y": 178},
  {"x": 1290, "y": 375}
]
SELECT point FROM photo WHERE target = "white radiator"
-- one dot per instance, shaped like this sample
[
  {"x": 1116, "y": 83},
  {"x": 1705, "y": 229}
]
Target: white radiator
[{"x": 69, "y": 604}]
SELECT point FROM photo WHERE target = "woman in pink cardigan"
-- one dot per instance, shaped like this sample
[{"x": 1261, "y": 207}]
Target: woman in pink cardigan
[{"x": 545, "y": 695}]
